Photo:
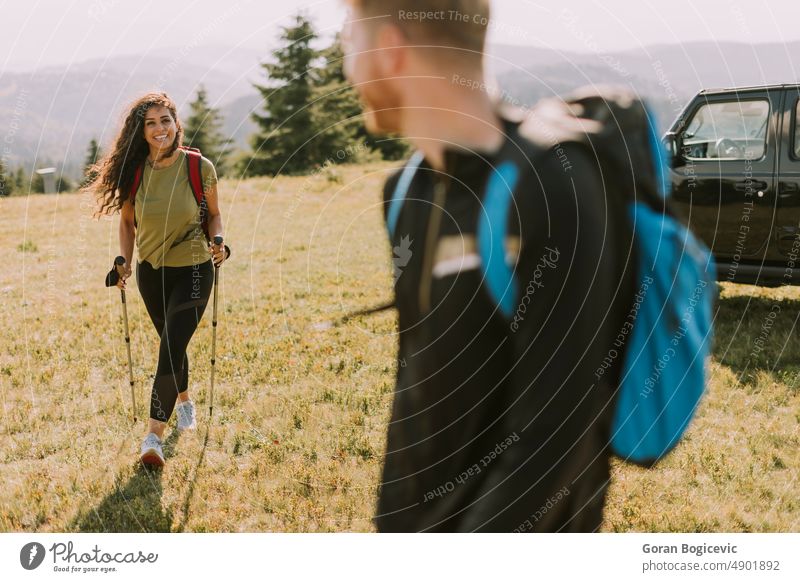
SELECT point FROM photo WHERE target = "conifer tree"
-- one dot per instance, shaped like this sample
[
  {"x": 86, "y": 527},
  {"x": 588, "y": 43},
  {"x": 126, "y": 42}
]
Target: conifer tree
[{"x": 203, "y": 130}]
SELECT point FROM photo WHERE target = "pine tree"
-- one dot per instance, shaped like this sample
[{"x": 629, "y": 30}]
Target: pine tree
[
  {"x": 37, "y": 184},
  {"x": 20, "y": 183},
  {"x": 203, "y": 130},
  {"x": 92, "y": 155},
  {"x": 6, "y": 182},
  {"x": 336, "y": 109},
  {"x": 62, "y": 184},
  {"x": 340, "y": 101},
  {"x": 284, "y": 141}
]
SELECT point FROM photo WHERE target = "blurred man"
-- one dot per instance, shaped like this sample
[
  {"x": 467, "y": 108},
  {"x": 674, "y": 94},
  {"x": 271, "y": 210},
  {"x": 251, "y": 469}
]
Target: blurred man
[{"x": 506, "y": 309}]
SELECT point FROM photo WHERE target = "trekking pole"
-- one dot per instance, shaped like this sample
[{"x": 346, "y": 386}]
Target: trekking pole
[
  {"x": 217, "y": 241},
  {"x": 111, "y": 280},
  {"x": 326, "y": 325}
]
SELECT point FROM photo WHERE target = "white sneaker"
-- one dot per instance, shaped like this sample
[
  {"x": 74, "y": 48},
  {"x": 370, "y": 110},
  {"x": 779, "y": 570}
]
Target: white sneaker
[
  {"x": 151, "y": 451},
  {"x": 186, "y": 416}
]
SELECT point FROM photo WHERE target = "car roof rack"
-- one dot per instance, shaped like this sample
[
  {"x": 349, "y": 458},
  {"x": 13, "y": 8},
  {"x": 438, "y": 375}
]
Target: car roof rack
[{"x": 748, "y": 88}]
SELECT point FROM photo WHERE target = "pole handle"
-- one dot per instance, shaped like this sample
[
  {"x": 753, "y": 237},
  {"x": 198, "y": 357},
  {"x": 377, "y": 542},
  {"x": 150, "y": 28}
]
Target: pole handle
[
  {"x": 114, "y": 274},
  {"x": 218, "y": 240}
]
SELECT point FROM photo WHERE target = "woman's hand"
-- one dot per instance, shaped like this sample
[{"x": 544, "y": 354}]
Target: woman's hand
[
  {"x": 124, "y": 272},
  {"x": 217, "y": 253}
]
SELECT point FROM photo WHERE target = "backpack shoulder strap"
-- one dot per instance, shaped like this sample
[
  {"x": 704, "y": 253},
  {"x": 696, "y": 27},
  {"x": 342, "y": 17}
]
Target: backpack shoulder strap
[
  {"x": 499, "y": 277},
  {"x": 194, "y": 167},
  {"x": 137, "y": 181},
  {"x": 497, "y": 266},
  {"x": 401, "y": 191},
  {"x": 492, "y": 227},
  {"x": 194, "y": 164}
]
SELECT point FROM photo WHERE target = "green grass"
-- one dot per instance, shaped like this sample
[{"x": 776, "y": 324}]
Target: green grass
[
  {"x": 299, "y": 422},
  {"x": 27, "y": 247}
]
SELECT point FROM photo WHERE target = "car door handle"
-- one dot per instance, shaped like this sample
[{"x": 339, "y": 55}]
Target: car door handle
[{"x": 752, "y": 185}]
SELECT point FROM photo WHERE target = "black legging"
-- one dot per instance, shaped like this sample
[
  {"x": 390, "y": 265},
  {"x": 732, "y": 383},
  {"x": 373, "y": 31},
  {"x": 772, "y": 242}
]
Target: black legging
[{"x": 175, "y": 298}]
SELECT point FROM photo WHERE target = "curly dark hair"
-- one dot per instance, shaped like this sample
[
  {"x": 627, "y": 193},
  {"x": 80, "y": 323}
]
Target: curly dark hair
[{"x": 114, "y": 173}]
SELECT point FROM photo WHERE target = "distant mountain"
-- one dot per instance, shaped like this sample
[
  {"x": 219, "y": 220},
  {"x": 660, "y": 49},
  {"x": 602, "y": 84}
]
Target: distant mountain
[
  {"x": 50, "y": 115},
  {"x": 667, "y": 75},
  {"x": 238, "y": 124}
]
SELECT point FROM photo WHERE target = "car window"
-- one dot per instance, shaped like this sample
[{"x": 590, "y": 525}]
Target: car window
[{"x": 727, "y": 130}]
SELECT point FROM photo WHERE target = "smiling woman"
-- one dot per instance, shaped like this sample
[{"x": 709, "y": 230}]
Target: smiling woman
[{"x": 176, "y": 191}]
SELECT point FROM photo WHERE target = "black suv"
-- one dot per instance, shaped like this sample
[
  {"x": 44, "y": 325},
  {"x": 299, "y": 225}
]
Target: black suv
[{"x": 736, "y": 177}]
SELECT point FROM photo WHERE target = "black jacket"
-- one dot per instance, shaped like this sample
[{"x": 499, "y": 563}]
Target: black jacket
[{"x": 502, "y": 424}]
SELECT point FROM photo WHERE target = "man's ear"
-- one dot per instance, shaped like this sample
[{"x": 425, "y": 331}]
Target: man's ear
[{"x": 391, "y": 50}]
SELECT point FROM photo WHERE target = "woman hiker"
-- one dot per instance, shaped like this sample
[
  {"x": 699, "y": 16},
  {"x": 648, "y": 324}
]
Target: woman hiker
[{"x": 152, "y": 181}]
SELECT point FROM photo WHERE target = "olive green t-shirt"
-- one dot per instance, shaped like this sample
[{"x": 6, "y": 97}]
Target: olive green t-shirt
[{"x": 168, "y": 231}]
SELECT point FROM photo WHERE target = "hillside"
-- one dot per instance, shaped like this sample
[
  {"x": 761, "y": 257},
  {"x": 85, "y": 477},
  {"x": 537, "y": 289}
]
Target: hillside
[
  {"x": 297, "y": 438},
  {"x": 55, "y": 111}
]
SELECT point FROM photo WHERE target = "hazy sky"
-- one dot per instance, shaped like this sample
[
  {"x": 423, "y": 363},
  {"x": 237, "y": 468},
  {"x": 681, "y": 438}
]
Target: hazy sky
[{"x": 47, "y": 32}]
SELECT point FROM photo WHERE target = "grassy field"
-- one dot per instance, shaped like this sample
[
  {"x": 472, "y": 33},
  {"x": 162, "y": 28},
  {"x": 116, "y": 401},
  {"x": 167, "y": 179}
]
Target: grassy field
[{"x": 300, "y": 415}]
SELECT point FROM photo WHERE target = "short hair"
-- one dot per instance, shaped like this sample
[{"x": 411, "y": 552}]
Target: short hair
[{"x": 458, "y": 24}]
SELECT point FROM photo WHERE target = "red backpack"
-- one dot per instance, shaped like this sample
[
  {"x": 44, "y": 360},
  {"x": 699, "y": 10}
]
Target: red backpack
[{"x": 193, "y": 165}]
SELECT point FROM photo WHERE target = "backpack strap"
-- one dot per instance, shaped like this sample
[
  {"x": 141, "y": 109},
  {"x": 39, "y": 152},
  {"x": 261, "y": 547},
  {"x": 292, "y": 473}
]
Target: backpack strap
[
  {"x": 401, "y": 191},
  {"x": 194, "y": 165},
  {"x": 137, "y": 181},
  {"x": 499, "y": 277},
  {"x": 499, "y": 270}
]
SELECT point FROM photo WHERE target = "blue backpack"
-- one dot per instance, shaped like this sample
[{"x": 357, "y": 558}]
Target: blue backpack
[{"x": 667, "y": 337}]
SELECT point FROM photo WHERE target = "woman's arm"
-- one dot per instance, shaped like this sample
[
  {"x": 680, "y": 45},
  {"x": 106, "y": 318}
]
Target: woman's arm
[
  {"x": 127, "y": 234},
  {"x": 215, "y": 223}
]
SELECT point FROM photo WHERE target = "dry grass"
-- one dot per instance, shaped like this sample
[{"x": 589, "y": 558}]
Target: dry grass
[
  {"x": 738, "y": 468},
  {"x": 300, "y": 415}
]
